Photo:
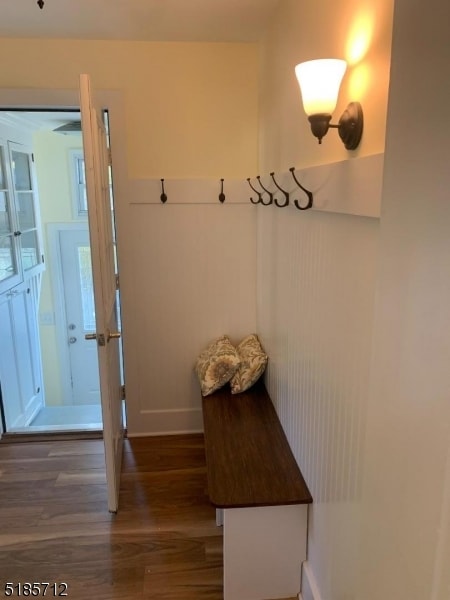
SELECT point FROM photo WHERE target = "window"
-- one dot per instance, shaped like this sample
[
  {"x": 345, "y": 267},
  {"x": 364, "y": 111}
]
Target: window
[
  {"x": 79, "y": 197},
  {"x": 87, "y": 287}
]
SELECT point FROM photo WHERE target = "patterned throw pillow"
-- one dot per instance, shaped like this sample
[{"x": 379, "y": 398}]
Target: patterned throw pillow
[
  {"x": 253, "y": 361},
  {"x": 216, "y": 365}
]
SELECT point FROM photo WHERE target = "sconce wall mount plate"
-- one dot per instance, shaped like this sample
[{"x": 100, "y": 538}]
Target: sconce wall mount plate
[{"x": 350, "y": 126}]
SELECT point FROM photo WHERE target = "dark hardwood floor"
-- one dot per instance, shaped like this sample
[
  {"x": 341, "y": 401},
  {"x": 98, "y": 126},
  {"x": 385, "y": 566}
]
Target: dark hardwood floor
[{"x": 54, "y": 525}]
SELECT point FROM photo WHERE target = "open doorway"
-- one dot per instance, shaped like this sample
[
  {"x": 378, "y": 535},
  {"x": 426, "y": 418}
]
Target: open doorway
[{"x": 65, "y": 364}]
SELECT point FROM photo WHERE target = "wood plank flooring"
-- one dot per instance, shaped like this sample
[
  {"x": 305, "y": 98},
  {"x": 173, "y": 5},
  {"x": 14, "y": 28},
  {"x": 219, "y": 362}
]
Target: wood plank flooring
[{"x": 54, "y": 525}]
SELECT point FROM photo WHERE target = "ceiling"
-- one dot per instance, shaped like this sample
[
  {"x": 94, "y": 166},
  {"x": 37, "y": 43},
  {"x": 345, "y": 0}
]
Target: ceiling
[
  {"x": 151, "y": 20},
  {"x": 38, "y": 120}
]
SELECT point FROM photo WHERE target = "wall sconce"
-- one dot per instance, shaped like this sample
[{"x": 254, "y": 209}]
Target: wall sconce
[{"x": 319, "y": 82}]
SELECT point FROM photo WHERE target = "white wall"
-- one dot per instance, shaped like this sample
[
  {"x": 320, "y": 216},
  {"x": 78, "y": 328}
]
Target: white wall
[
  {"x": 355, "y": 313},
  {"x": 316, "y": 283},
  {"x": 317, "y": 274},
  {"x": 406, "y": 501},
  {"x": 198, "y": 283}
]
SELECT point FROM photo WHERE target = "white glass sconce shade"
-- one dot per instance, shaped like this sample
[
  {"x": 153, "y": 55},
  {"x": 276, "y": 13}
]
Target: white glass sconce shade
[{"x": 319, "y": 82}]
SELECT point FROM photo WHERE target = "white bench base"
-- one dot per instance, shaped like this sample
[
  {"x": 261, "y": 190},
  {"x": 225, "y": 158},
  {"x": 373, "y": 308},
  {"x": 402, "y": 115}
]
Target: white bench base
[{"x": 263, "y": 551}]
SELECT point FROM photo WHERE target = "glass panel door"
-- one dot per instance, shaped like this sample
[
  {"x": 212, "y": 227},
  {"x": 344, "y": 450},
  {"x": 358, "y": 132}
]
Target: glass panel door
[
  {"x": 26, "y": 207},
  {"x": 9, "y": 262}
]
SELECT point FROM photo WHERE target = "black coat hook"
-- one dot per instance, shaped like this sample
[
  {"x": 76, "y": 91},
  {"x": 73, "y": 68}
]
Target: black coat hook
[
  {"x": 307, "y": 192},
  {"x": 268, "y": 192},
  {"x": 285, "y": 194},
  {"x": 256, "y": 192},
  {"x": 221, "y": 195},
  {"x": 163, "y": 196}
]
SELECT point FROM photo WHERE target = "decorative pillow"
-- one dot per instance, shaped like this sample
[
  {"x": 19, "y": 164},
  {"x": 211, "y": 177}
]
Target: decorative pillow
[
  {"x": 253, "y": 361},
  {"x": 216, "y": 365}
]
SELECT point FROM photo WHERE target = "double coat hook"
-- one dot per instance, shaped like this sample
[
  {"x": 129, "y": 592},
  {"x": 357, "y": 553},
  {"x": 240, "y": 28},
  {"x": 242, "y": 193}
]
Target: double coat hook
[
  {"x": 259, "y": 201},
  {"x": 268, "y": 192},
  {"x": 285, "y": 194},
  {"x": 260, "y": 194}
]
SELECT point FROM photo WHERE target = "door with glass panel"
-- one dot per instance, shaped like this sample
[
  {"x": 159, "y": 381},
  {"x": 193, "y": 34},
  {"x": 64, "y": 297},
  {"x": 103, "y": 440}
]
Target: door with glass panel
[
  {"x": 10, "y": 272},
  {"x": 26, "y": 209},
  {"x": 80, "y": 314}
]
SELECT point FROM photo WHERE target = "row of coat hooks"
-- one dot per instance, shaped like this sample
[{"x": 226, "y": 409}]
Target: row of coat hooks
[{"x": 265, "y": 196}]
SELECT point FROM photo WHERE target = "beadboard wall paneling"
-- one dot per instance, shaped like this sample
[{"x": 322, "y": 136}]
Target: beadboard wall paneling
[
  {"x": 316, "y": 286},
  {"x": 196, "y": 281}
]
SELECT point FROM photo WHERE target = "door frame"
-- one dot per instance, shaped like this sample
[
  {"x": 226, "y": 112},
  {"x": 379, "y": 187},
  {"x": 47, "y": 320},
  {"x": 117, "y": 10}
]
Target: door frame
[{"x": 112, "y": 101}]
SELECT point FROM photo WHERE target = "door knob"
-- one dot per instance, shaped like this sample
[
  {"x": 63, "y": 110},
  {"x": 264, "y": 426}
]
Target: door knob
[
  {"x": 96, "y": 336},
  {"x": 72, "y": 340},
  {"x": 113, "y": 335}
]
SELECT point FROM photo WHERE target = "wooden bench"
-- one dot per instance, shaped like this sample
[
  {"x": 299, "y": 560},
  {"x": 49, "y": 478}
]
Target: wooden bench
[{"x": 256, "y": 485}]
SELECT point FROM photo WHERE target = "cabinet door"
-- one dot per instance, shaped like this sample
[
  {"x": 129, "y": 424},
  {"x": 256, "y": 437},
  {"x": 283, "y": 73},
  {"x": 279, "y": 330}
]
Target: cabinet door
[
  {"x": 27, "y": 209},
  {"x": 9, "y": 252},
  {"x": 20, "y": 366},
  {"x": 9, "y": 375}
]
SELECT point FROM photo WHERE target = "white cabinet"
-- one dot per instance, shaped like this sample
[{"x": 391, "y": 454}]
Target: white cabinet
[
  {"x": 20, "y": 365},
  {"x": 21, "y": 263}
]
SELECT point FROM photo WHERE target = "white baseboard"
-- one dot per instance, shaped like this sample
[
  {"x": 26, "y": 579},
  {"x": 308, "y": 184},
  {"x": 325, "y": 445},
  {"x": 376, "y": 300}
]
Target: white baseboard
[
  {"x": 152, "y": 433},
  {"x": 310, "y": 589},
  {"x": 165, "y": 422}
]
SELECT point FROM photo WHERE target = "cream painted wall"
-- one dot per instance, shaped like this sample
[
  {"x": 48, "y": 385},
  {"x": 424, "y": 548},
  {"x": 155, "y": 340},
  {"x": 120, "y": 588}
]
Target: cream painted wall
[
  {"x": 190, "y": 111},
  {"x": 190, "y": 107},
  {"x": 359, "y": 32},
  {"x": 317, "y": 275},
  {"x": 53, "y": 164}
]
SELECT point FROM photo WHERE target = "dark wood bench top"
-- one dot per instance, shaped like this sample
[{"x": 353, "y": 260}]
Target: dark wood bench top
[{"x": 249, "y": 460}]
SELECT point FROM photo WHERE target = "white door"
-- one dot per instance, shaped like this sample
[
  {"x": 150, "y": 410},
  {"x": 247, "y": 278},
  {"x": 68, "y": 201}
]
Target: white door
[
  {"x": 76, "y": 266},
  {"x": 103, "y": 259}
]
